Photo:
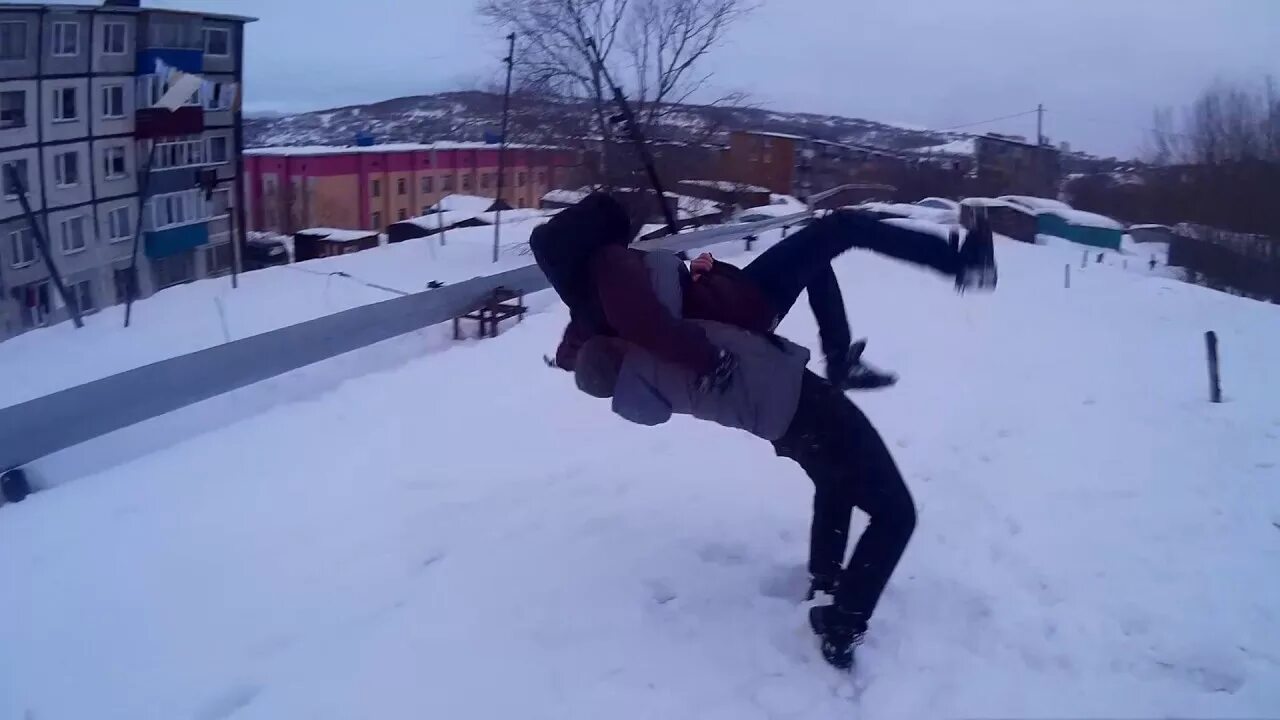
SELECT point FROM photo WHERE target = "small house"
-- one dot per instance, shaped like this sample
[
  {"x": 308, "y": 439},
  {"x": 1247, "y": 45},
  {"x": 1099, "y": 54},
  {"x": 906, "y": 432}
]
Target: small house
[
  {"x": 315, "y": 243},
  {"x": 1084, "y": 228},
  {"x": 1006, "y": 218}
]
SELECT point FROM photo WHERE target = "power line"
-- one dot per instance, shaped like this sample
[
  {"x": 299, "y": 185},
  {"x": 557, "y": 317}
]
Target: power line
[{"x": 984, "y": 122}]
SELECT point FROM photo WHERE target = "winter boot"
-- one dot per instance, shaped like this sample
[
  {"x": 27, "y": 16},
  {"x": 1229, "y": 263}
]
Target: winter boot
[
  {"x": 820, "y": 584},
  {"x": 977, "y": 257},
  {"x": 840, "y": 633},
  {"x": 851, "y": 373}
]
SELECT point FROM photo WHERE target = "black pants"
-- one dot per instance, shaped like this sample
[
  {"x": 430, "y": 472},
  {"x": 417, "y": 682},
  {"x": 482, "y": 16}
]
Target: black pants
[
  {"x": 850, "y": 467},
  {"x": 803, "y": 261}
]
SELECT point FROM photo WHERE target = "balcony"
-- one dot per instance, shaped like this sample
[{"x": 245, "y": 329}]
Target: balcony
[
  {"x": 154, "y": 122},
  {"x": 164, "y": 243}
]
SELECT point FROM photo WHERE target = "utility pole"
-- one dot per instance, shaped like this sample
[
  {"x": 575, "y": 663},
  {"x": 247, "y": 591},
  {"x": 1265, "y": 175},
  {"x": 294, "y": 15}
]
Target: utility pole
[
  {"x": 131, "y": 293},
  {"x": 502, "y": 144},
  {"x": 1040, "y": 124},
  {"x": 73, "y": 304}
]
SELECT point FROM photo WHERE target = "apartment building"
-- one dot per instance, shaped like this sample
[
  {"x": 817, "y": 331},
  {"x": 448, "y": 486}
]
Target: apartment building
[
  {"x": 800, "y": 166},
  {"x": 77, "y": 86},
  {"x": 369, "y": 187},
  {"x": 1008, "y": 165}
]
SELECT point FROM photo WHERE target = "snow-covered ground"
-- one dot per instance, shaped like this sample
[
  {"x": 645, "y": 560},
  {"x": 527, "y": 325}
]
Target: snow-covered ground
[{"x": 1095, "y": 539}]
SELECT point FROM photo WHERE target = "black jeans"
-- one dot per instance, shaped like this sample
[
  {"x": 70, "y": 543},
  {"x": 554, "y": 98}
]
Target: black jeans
[
  {"x": 803, "y": 261},
  {"x": 850, "y": 467}
]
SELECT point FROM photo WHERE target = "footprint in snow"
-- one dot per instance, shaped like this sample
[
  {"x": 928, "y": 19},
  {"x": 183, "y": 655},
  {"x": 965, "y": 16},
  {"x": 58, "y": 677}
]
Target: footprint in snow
[
  {"x": 229, "y": 702},
  {"x": 785, "y": 582},
  {"x": 723, "y": 554}
]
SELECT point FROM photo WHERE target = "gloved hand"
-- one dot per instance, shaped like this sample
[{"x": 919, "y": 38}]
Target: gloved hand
[{"x": 719, "y": 378}]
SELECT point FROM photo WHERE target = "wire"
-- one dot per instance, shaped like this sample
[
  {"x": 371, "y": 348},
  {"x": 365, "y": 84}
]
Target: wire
[
  {"x": 984, "y": 122},
  {"x": 349, "y": 276}
]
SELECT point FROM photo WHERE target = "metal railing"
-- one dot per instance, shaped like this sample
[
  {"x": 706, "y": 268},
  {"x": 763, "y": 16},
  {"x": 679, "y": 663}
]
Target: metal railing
[{"x": 45, "y": 425}]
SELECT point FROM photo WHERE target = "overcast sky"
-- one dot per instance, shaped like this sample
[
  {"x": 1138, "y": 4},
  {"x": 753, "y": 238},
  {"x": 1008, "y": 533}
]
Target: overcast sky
[{"x": 1099, "y": 66}]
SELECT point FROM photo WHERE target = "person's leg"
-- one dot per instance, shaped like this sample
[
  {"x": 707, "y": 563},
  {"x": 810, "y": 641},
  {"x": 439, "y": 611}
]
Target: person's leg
[
  {"x": 877, "y": 488},
  {"x": 827, "y": 304},
  {"x": 783, "y": 271}
]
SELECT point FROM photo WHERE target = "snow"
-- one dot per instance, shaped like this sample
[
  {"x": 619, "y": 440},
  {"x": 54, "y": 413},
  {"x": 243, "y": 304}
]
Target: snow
[
  {"x": 1087, "y": 219},
  {"x": 773, "y": 211},
  {"x": 514, "y": 215},
  {"x": 1036, "y": 203},
  {"x": 910, "y": 210},
  {"x": 940, "y": 203},
  {"x": 566, "y": 197},
  {"x": 340, "y": 235},
  {"x": 963, "y": 146},
  {"x": 989, "y": 202},
  {"x": 1095, "y": 539},
  {"x": 464, "y": 203},
  {"x": 445, "y": 219},
  {"x": 725, "y": 186}
]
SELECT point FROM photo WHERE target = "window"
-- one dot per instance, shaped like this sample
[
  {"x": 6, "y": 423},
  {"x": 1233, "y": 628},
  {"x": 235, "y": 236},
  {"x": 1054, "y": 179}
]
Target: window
[
  {"x": 113, "y": 38},
  {"x": 427, "y": 185},
  {"x": 217, "y": 42},
  {"x": 22, "y": 247},
  {"x": 13, "y": 41},
  {"x": 66, "y": 168},
  {"x": 113, "y": 162},
  {"x": 180, "y": 208},
  {"x": 118, "y": 225},
  {"x": 520, "y": 180},
  {"x": 122, "y": 278},
  {"x": 377, "y": 219},
  {"x": 33, "y": 303},
  {"x": 66, "y": 39},
  {"x": 64, "y": 104},
  {"x": 377, "y": 189},
  {"x": 73, "y": 235},
  {"x": 401, "y": 187},
  {"x": 466, "y": 182},
  {"x": 217, "y": 96},
  {"x": 183, "y": 153},
  {"x": 447, "y": 183},
  {"x": 542, "y": 177},
  {"x": 113, "y": 101},
  {"x": 174, "y": 269},
  {"x": 11, "y": 190},
  {"x": 401, "y": 214},
  {"x": 484, "y": 180},
  {"x": 174, "y": 34},
  {"x": 220, "y": 202},
  {"x": 82, "y": 294},
  {"x": 151, "y": 88},
  {"x": 218, "y": 259},
  {"x": 217, "y": 149},
  {"x": 13, "y": 109}
]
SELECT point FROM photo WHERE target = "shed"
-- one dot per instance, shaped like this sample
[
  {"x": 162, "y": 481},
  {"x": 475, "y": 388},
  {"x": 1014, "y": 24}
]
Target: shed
[
  {"x": 1006, "y": 218},
  {"x": 1082, "y": 227},
  {"x": 315, "y": 243}
]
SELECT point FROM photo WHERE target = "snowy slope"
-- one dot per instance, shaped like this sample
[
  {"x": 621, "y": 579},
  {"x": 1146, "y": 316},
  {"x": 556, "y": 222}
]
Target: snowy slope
[{"x": 1095, "y": 539}]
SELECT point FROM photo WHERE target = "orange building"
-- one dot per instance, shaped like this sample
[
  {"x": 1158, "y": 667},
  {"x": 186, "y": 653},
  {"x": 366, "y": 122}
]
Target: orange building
[{"x": 370, "y": 187}]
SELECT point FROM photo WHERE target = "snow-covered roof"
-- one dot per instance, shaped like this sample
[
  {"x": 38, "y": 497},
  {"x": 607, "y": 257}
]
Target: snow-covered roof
[
  {"x": 988, "y": 202},
  {"x": 510, "y": 216},
  {"x": 474, "y": 204},
  {"x": 1087, "y": 219},
  {"x": 963, "y": 146},
  {"x": 936, "y": 201},
  {"x": 339, "y": 235},
  {"x": 1151, "y": 227},
  {"x": 564, "y": 196},
  {"x": 725, "y": 185},
  {"x": 1036, "y": 203},
  {"x": 910, "y": 210},
  {"x": 447, "y": 219},
  {"x": 783, "y": 136},
  {"x": 303, "y": 150},
  {"x": 783, "y": 199},
  {"x": 773, "y": 210}
]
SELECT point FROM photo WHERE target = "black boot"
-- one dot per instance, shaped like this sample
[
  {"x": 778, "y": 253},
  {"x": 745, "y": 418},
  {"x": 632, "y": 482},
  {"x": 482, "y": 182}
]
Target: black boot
[
  {"x": 851, "y": 373},
  {"x": 820, "y": 584},
  {"x": 977, "y": 257},
  {"x": 840, "y": 633}
]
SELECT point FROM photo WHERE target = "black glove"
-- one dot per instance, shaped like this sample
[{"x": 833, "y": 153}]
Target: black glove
[{"x": 719, "y": 378}]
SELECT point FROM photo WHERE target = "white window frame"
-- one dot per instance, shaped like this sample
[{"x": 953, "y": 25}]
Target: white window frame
[
  {"x": 62, "y": 237},
  {"x": 22, "y": 33},
  {"x": 179, "y": 154},
  {"x": 59, "y": 104},
  {"x": 74, "y": 289},
  {"x": 188, "y": 205},
  {"x": 109, "y": 153},
  {"x": 211, "y": 251},
  {"x": 23, "y": 123},
  {"x": 25, "y": 176},
  {"x": 60, "y": 168},
  {"x": 17, "y": 252},
  {"x": 106, "y": 102},
  {"x": 107, "y": 29},
  {"x": 59, "y": 35},
  {"x": 119, "y": 230},
  {"x": 428, "y": 185},
  {"x": 150, "y": 90},
  {"x": 208, "y": 152},
  {"x": 205, "y": 41}
]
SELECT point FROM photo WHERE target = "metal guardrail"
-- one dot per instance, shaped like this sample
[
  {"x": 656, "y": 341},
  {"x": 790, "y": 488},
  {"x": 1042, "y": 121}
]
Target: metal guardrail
[{"x": 60, "y": 420}]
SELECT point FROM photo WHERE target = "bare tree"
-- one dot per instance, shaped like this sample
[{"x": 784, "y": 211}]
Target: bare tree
[{"x": 652, "y": 47}]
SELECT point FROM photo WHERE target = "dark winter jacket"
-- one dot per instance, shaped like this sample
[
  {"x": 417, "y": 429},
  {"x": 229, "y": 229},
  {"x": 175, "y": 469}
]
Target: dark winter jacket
[
  {"x": 762, "y": 397},
  {"x": 633, "y": 312}
]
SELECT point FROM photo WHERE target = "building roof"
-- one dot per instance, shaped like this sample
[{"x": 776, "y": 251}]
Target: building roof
[
  {"x": 307, "y": 150},
  {"x": 1015, "y": 141},
  {"x": 1036, "y": 203},
  {"x": 766, "y": 133},
  {"x": 725, "y": 185},
  {"x": 1087, "y": 219},
  {"x": 338, "y": 234},
  {"x": 125, "y": 9}
]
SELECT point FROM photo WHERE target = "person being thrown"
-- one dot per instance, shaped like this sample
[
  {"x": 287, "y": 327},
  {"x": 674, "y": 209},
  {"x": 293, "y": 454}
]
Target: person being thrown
[{"x": 584, "y": 252}]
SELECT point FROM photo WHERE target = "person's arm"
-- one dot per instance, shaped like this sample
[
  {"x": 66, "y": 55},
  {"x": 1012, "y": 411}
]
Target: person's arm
[{"x": 635, "y": 313}]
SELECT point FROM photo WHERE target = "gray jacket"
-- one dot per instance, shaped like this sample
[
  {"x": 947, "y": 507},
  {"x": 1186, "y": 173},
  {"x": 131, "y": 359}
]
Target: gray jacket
[{"x": 762, "y": 397}]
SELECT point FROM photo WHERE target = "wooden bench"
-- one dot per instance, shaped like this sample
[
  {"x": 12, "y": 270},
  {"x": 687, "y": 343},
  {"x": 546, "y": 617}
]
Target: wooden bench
[{"x": 502, "y": 304}]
